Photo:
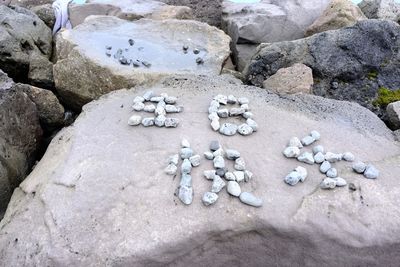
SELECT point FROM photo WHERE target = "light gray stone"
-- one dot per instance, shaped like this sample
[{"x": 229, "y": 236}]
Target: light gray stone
[
  {"x": 222, "y": 99},
  {"x": 186, "y": 194},
  {"x": 243, "y": 100},
  {"x": 245, "y": 129},
  {"x": 217, "y": 184},
  {"x": 319, "y": 158},
  {"x": 173, "y": 159},
  {"x": 208, "y": 155},
  {"x": 232, "y": 154},
  {"x": 186, "y": 153},
  {"x": 381, "y": 9},
  {"x": 186, "y": 166},
  {"x": 171, "y": 109},
  {"x": 308, "y": 140},
  {"x": 293, "y": 178},
  {"x": 240, "y": 164},
  {"x": 333, "y": 157},
  {"x": 348, "y": 156},
  {"x": 171, "y": 169},
  {"x": 138, "y": 106},
  {"x": 159, "y": 121},
  {"x": 359, "y": 167},
  {"x": 393, "y": 112},
  {"x": 147, "y": 122},
  {"x": 340, "y": 182},
  {"x": 171, "y": 122},
  {"x": 306, "y": 157},
  {"x": 219, "y": 162},
  {"x": 160, "y": 110},
  {"x": 209, "y": 174},
  {"x": 186, "y": 180},
  {"x": 223, "y": 113},
  {"x": 171, "y": 100},
  {"x": 328, "y": 183},
  {"x": 316, "y": 135},
  {"x": 295, "y": 142},
  {"x": 236, "y": 111},
  {"x": 239, "y": 176},
  {"x": 234, "y": 189},
  {"x": 332, "y": 173},
  {"x": 232, "y": 99},
  {"x": 245, "y": 107},
  {"x": 149, "y": 108},
  {"x": 148, "y": 95},
  {"x": 248, "y": 115},
  {"x": 213, "y": 116},
  {"x": 214, "y": 106},
  {"x": 185, "y": 143},
  {"x": 228, "y": 129},
  {"x": 303, "y": 173},
  {"x": 371, "y": 172},
  {"x": 218, "y": 152},
  {"x": 229, "y": 176},
  {"x": 253, "y": 124},
  {"x": 138, "y": 99},
  {"x": 157, "y": 99},
  {"x": 291, "y": 152},
  {"x": 325, "y": 166},
  {"x": 215, "y": 125},
  {"x": 195, "y": 160},
  {"x": 250, "y": 199},
  {"x": 209, "y": 198},
  {"x": 317, "y": 149},
  {"x": 248, "y": 175},
  {"x": 134, "y": 120}
]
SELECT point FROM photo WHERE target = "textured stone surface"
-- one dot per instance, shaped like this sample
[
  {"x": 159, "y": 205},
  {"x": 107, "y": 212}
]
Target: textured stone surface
[
  {"x": 348, "y": 64},
  {"x": 30, "y": 3},
  {"x": 292, "y": 80},
  {"x": 108, "y": 187},
  {"x": 25, "y": 46},
  {"x": 46, "y": 14},
  {"x": 20, "y": 134},
  {"x": 338, "y": 14},
  {"x": 81, "y": 54},
  {"x": 393, "y": 115},
  {"x": 381, "y": 9}
]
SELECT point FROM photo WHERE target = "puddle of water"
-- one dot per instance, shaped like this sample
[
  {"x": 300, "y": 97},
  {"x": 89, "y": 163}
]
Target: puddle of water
[{"x": 162, "y": 57}]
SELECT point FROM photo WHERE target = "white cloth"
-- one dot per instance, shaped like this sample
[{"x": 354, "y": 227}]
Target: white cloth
[{"x": 61, "y": 11}]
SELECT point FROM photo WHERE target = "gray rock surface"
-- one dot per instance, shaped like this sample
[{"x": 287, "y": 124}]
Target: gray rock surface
[
  {"x": 393, "y": 114},
  {"x": 381, "y": 9},
  {"x": 20, "y": 135},
  {"x": 97, "y": 187},
  {"x": 46, "y": 14},
  {"x": 26, "y": 46},
  {"x": 80, "y": 53},
  {"x": 349, "y": 64}
]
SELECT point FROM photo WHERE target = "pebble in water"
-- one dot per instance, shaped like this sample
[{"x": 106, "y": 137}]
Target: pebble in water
[
  {"x": 306, "y": 157},
  {"x": 232, "y": 154},
  {"x": 233, "y": 189},
  {"x": 217, "y": 184},
  {"x": 134, "y": 120},
  {"x": 209, "y": 198},
  {"x": 371, "y": 172},
  {"x": 240, "y": 164},
  {"x": 245, "y": 129},
  {"x": 359, "y": 167},
  {"x": 147, "y": 122},
  {"x": 250, "y": 199},
  {"x": 328, "y": 183},
  {"x": 291, "y": 152},
  {"x": 325, "y": 166},
  {"x": 228, "y": 129}
]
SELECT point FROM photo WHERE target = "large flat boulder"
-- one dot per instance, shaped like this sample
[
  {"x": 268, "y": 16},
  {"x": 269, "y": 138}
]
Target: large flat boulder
[
  {"x": 81, "y": 54},
  {"x": 348, "y": 64},
  {"x": 128, "y": 10},
  {"x": 26, "y": 46},
  {"x": 101, "y": 197},
  {"x": 20, "y": 134},
  {"x": 267, "y": 21}
]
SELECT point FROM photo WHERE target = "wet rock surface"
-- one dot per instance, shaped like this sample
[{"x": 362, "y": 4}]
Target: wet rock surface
[
  {"x": 335, "y": 58},
  {"x": 93, "y": 185},
  {"x": 81, "y": 53}
]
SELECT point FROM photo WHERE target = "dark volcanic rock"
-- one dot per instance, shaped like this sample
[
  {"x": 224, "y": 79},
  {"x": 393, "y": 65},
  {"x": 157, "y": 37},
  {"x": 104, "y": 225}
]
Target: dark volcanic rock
[
  {"x": 348, "y": 64},
  {"x": 26, "y": 46},
  {"x": 20, "y": 134}
]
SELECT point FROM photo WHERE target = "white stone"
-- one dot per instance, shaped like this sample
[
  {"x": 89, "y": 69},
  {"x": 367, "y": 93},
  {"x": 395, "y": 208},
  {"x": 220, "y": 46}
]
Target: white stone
[
  {"x": 195, "y": 160},
  {"x": 223, "y": 113},
  {"x": 232, "y": 154},
  {"x": 219, "y": 162},
  {"x": 149, "y": 108},
  {"x": 157, "y": 99},
  {"x": 248, "y": 115},
  {"x": 217, "y": 184},
  {"x": 253, "y": 124},
  {"x": 332, "y": 157},
  {"x": 250, "y": 199},
  {"x": 239, "y": 176},
  {"x": 228, "y": 129},
  {"x": 173, "y": 159},
  {"x": 291, "y": 152},
  {"x": 240, "y": 164},
  {"x": 328, "y": 183},
  {"x": 295, "y": 142},
  {"x": 186, "y": 166},
  {"x": 232, "y": 99},
  {"x": 160, "y": 120},
  {"x": 332, "y": 173},
  {"x": 208, "y": 155},
  {"x": 186, "y": 153},
  {"x": 245, "y": 129},
  {"x": 308, "y": 140},
  {"x": 171, "y": 169},
  {"x": 170, "y": 100},
  {"x": 243, "y": 100},
  {"x": 185, "y": 143},
  {"x": 209, "y": 174},
  {"x": 138, "y": 106},
  {"x": 171, "y": 109},
  {"x": 348, "y": 156},
  {"x": 222, "y": 99},
  {"x": 236, "y": 111},
  {"x": 371, "y": 172},
  {"x": 186, "y": 194},
  {"x": 215, "y": 125},
  {"x": 213, "y": 116},
  {"x": 316, "y": 135},
  {"x": 209, "y": 198},
  {"x": 340, "y": 182},
  {"x": 318, "y": 149},
  {"x": 306, "y": 157},
  {"x": 233, "y": 189},
  {"x": 325, "y": 166},
  {"x": 230, "y": 176},
  {"x": 248, "y": 175},
  {"x": 293, "y": 178},
  {"x": 319, "y": 158},
  {"x": 148, "y": 95},
  {"x": 146, "y": 122},
  {"x": 171, "y": 122},
  {"x": 135, "y": 120},
  {"x": 359, "y": 167},
  {"x": 138, "y": 99},
  {"x": 303, "y": 173}
]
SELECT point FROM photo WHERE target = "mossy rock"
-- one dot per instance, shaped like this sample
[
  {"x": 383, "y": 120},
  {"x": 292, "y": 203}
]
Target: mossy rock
[{"x": 386, "y": 96}]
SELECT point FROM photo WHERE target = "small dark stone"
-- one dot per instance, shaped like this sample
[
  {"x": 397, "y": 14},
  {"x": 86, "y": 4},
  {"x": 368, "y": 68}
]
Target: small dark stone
[
  {"x": 136, "y": 64},
  {"x": 221, "y": 172},
  {"x": 352, "y": 187},
  {"x": 34, "y": 23},
  {"x": 185, "y": 48},
  {"x": 108, "y": 47},
  {"x": 131, "y": 42},
  {"x": 146, "y": 64},
  {"x": 196, "y": 51},
  {"x": 214, "y": 145},
  {"x": 123, "y": 61},
  {"x": 199, "y": 60}
]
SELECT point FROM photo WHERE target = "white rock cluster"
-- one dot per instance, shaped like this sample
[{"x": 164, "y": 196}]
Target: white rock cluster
[
  {"x": 218, "y": 109},
  {"x": 240, "y": 174},
  {"x": 325, "y": 159},
  {"x": 189, "y": 160},
  {"x": 160, "y": 106}
]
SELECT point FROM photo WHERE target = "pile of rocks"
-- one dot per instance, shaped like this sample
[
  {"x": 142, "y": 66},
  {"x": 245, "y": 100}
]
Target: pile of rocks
[
  {"x": 229, "y": 129},
  {"x": 165, "y": 104},
  {"x": 241, "y": 174},
  {"x": 189, "y": 160},
  {"x": 325, "y": 159}
]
